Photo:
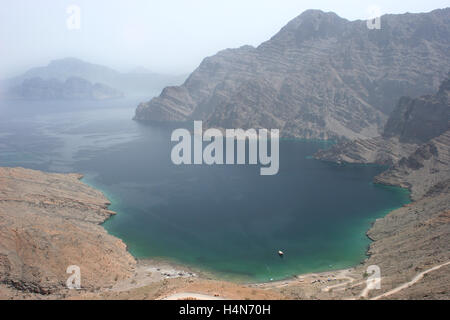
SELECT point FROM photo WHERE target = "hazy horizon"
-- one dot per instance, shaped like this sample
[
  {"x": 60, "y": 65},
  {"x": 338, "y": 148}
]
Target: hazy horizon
[{"x": 171, "y": 37}]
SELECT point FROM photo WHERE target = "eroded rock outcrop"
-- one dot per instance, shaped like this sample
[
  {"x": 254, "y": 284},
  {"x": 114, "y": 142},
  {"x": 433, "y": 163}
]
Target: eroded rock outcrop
[
  {"x": 423, "y": 169},
  {"x": 49, "y": 222},
  {"x": 321, "y": 77},
  {"x": 413, "y": 123},
  {"x": 416, "y": 237},
  {"x": 413, "y": 239}
]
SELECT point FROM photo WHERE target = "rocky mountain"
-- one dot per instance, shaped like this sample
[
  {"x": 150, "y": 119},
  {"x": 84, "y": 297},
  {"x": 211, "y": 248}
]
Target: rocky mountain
[
  {"x": 412, "y": 123},
  {"x": 416, "y": 237},
  {"x": 50, "y": 222},
  {"x": 426, "y": 167},
  {"x": 411, "y": 240},
  {"x": 321, "y": 76},
  {"x": 421, "y": 119},
  {"x": 131, "y": 83},
  {"x": 73, "y": 88}
]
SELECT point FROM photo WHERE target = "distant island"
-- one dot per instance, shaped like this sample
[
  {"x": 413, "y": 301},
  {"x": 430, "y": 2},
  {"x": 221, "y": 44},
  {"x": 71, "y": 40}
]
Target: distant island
[
  {"x": 92, "y": 81},
  {"x": 73, "y": 88}
]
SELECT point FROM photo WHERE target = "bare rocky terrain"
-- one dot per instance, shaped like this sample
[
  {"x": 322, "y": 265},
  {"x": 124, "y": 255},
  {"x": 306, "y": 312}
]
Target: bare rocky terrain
[
  {"x": 415, "y": 143},
  {"x": 409, "y": 240},
  {"x": 425, "y": 168},
  {"x": 49, "y": 222},
  {"x": 412, "y": 239},
  {"x": 413, "y": 123},
  {"x": 321, "y": 76}
]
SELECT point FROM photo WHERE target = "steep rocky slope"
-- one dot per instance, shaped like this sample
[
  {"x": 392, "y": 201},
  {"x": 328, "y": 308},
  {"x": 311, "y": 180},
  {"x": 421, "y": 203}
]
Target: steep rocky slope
[
  {"x": 49, "y": 222},
  {"x": 411, "y": 247},
  {"x": 426, "y": 167},
  {"x": 321, "y": 77},
  {"x": 411, "y": 240},
  {"x": 413, "y": 123},
  {"x": 415, "y": 238}
]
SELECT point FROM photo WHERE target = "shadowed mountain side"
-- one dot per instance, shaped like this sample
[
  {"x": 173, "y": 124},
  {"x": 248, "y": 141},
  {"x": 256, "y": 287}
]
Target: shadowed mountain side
[
  {"x": 423, "y": 169},
  {"x": 412, "y": 123}
]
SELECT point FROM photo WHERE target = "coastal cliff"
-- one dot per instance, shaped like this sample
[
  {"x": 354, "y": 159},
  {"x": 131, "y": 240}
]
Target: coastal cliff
[
  {"x": 49, "y": 222},
  {"x": 428, "y": 166},
  {"x": 321, "y": 76},
  {"x": 415, "y": 143},
  {"x": 411, "y": 240},
  {"x": 412, "y": 123},
  {"x": 416, "y": 237}
]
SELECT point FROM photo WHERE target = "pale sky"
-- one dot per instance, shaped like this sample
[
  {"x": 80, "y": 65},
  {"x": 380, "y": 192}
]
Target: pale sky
[{"x": 167, "y": 36}]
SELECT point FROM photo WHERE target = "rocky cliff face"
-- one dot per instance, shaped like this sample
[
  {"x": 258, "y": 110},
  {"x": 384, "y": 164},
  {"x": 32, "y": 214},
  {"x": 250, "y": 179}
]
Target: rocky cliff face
[
  {"x": 320, "y": 77},
  {"x": 73, "y": 88},
  {"x": 413, "y": 123},
  {"x": 409, "y": 241},
  {"x": 49, "y": 222},
  {"x": 421, "y": 119},
  {"x": 423, "y": 169},
  {"x": 415, "y": 238}
]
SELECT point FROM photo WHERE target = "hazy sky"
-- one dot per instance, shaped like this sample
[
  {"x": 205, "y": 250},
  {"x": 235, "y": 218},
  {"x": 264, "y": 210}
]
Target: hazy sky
[{"x": 171, "y": 36}]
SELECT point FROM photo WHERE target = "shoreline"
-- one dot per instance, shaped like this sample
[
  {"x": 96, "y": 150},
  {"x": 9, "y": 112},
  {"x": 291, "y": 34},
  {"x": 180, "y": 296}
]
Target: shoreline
[
  {"x": 165, "y": 278},
  {"x": 166, "y": 264}
]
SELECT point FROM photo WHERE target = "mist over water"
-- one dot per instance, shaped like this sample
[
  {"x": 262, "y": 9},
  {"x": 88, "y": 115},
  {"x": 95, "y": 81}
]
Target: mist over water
[{"x": 228, "y": 220}]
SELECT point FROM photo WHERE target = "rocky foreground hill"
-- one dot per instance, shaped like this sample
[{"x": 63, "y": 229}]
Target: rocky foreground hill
[
  {"x": 321, "y": 76},
  {"x": 49, "y": 222}
]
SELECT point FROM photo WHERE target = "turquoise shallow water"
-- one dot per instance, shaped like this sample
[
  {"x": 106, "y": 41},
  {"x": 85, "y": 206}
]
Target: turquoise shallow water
[{"x": 227, "y": 220}]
